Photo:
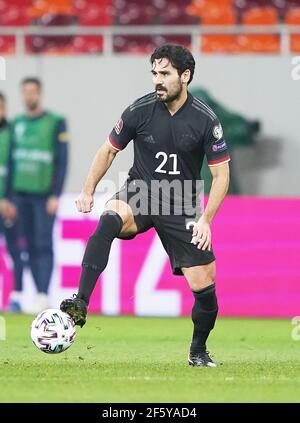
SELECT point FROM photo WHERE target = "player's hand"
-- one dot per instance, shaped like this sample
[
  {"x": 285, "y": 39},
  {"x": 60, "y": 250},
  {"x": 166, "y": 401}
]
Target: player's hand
[
  {"x": 202, "y": 234},
  {"x": 8, "y": 210},
  {"x": 52, "y": 205},
  {"x": 84, "y": 202}
]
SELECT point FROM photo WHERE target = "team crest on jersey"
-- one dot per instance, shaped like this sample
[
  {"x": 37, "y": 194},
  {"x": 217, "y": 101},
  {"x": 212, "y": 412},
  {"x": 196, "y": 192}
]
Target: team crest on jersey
[
  {"x": 218, "y": 132},
  {"x": 119, "y": 126}
]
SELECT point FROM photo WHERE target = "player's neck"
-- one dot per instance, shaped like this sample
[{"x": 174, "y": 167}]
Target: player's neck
[
  {"x": 175, "y": 105},
  {"x": 34, "y": 113}
]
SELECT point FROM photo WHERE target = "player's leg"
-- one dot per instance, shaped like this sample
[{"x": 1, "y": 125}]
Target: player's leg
[
  {"x": 12, "y": 237},
  {"x": 198, "y": 267},
  {"x": 117, "y": 220},
  {"x": 28, "y": 230},
  {"x": 201, "y": 280},
  {"x": 44, "y": 255}
]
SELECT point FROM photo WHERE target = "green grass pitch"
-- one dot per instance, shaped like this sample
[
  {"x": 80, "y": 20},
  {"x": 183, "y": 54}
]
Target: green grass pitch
[{"x": 136, "y": 359}]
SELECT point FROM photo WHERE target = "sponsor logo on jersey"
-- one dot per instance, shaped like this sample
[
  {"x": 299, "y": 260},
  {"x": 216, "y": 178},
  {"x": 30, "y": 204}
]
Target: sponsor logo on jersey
[
  {"x": 219, "y": 146},
  {"x": 119, "y": 126},
  {"x": 218, "y": 132},
  {"x": 33, "y": 155}
]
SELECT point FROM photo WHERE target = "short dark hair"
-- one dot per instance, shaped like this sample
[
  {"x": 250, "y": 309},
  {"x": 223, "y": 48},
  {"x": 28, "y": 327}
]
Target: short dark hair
[
  {"x": 32, "y": 80},
  {"x": 2, "y": 97},
  {"x": 179, "y": 56}
]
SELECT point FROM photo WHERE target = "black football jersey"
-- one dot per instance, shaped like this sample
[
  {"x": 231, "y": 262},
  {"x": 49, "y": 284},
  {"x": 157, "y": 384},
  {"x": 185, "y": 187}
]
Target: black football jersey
[{"x": 170, "y": 146}]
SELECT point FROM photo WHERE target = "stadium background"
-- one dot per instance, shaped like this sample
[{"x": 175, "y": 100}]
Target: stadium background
[{"x": 93, "y": 58}]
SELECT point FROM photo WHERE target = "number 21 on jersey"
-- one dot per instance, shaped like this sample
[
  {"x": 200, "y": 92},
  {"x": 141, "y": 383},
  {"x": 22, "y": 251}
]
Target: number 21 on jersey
[{"x": 164, "y": 156}]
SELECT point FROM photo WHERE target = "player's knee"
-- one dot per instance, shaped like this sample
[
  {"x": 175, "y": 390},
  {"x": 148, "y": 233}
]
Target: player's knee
[
  {"x": 110, "y": 224},
  {"x": 122, "y": 209},
  {"x": 200, "y": 277},
  {"x": 202, "y": 283},
  {"x": 99, "y": 243}
]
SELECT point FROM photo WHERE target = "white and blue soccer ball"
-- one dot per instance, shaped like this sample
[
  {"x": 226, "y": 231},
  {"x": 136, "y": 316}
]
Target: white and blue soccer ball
[{"x": 53, "y": 331}]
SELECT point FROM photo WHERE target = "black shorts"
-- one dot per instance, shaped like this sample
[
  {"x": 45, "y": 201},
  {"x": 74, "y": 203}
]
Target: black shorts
[{"x": 175, "y": 232}]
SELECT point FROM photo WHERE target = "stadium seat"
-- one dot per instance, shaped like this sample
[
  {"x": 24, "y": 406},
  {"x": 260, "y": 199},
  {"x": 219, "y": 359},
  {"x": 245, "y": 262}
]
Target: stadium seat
[
  {"x": 85, "y": 44},
  {"x": 260, "y": 16},
  {"x": 42, "y": 44},
  {"x": 40, "y": 8},
  {"x": 14, "y": 12},
  {"x": 281, "y": 6},
  {"x": 284, "y": 6},
  {"x": 269, "y": 43},
  {"x": 93, "y": 13},
  {"x": 132, "y": 44},
  {"x": 260, "y": 43},
  {"x": 145, "y": 12},
  {"x": 219, "y": 44},
  {"x": 295, "y": 43},
  {"x": 293, "y": 18},
  {"x": 145, "y": 44},
  {"x": 200, "y": 7},
  {"x": 243, "y": 5},
  {"x": 45, "y": 43},
  {"x": 58, "y": 51},
  {"x": 56, "y": 20},
  {"x": 263, "y": 43},
  {"x": 291, "y": 4},
  {"x": 90, "y": 44},
  {"x": 134, "y": 13},
  {"x": 176, "y": 14},
  {"x": 219, "y": 16},
  {"x": 7, "y": 45}
]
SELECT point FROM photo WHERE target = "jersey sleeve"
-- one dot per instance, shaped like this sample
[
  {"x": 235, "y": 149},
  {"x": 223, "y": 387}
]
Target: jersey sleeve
[
  {"x": 215, "y": 146},
  {"x": 61, "y": 157},
  {"x": 62, "y": 131},
  {"x": 7, "y": 192},
  {"x": 124, "y": 130}
]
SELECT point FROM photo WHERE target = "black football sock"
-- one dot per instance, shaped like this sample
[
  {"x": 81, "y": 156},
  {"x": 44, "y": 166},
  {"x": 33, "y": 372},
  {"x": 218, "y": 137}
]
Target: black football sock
[
  {"x": 97, "y": 252},
  {"x": 204, "y": 314}
]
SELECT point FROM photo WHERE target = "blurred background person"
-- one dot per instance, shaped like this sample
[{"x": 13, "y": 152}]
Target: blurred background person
[
  {"x": 9, "y": 226},
  {"x": 39, "y": 156}
]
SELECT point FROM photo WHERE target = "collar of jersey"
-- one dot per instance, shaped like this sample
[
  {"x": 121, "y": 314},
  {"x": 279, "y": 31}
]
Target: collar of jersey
[
  {"x": 42, "y": 114},
  {"x": 185, "y": 104}
]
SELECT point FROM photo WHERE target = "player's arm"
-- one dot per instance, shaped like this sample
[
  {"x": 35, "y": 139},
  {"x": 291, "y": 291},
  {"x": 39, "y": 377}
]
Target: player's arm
[
  {"x": 61, "y": 143},
  {"x": 123, "y": 132},
  {"x": 219, "y": 188},
  {"x": 217, "y": 154},
  {"x": 101, "y": 163},
  {"x": 8, "y": 209}
]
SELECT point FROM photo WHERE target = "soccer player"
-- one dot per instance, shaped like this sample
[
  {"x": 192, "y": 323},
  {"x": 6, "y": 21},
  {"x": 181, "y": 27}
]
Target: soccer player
[
  {"x": 8, "y": 223},
  {"x": 35, "y": 181},
  {"x": 172, "y": 131}
]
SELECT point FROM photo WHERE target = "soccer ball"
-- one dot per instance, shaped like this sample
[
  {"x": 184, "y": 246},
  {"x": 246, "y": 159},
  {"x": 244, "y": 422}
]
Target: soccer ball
[{"x": 53, "y": 331}]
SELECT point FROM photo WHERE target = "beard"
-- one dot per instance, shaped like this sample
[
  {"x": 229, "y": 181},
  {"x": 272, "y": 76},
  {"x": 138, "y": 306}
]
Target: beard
[
  {"x": 32, "y": 105},
  {"x": 168, "y": 98}
]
